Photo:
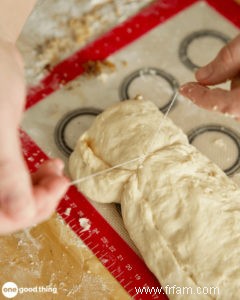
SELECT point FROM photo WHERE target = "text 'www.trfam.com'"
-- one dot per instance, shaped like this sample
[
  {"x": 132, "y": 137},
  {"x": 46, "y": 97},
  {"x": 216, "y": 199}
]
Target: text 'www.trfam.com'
[{"x": 177, "y": 290}]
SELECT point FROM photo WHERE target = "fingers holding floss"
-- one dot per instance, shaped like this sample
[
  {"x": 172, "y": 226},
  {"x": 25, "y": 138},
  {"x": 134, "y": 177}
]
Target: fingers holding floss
[{"x": 226, "y": 66}]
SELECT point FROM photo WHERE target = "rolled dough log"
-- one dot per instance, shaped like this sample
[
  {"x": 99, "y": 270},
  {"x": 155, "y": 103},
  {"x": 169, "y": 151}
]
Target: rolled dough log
[{"x": 180, "y": 209}]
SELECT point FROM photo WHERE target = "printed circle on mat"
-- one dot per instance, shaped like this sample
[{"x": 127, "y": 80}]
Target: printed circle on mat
[
  {"x": 193, "y": 50},
  {"x": 10, "y": 290},
  {"x": 153, "y": 84},
  {"x": 218, "y": 143},
  {"x": 71, "y": 126}
]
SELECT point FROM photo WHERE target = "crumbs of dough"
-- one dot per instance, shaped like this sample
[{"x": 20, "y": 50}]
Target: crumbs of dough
[
  {"x": 97, "y": 67},
  {"x": 85, "y": 224},
  {"x": 68, "y": 211}
]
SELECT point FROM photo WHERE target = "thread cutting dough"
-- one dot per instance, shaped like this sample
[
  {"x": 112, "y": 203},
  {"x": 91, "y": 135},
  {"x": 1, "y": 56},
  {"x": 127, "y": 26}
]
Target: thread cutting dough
[{"x": 180, "y": 209}]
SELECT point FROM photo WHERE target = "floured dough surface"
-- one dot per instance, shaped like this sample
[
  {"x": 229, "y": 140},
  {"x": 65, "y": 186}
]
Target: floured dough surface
[
  {"x": 180, "y": 209},
  {"x": 183, "y": 215},
  {"x": 121, "y": 133}
]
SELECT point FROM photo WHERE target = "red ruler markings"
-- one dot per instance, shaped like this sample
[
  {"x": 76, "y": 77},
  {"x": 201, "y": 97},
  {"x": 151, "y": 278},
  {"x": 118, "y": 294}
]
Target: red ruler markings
[
  {"x": 101, "y": 238},
  {"x": 113, "y": 252}
]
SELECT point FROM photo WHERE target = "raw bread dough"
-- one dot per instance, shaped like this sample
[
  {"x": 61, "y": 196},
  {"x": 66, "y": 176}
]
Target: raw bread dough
[
  {"x": 180, "y": 209},
  {"x": 121, "y": 133},
  {"x": 183, "y": 215}
]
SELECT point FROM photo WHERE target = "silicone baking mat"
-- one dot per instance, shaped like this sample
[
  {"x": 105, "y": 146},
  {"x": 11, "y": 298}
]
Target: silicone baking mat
[{"x": 151, "y": 54}]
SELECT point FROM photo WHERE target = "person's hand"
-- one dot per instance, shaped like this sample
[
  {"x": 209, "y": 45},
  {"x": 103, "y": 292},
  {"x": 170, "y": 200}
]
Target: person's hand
[
  {"x": 24, "y": 199},
  {"x": 226, "y": 66}
]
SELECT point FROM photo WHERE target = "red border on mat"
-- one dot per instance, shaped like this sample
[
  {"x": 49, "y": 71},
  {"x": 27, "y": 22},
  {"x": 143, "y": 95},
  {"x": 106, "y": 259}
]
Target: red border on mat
[
  {"x": 229, "y": 9},
  {"x": 69, "y": 69},
  {"x": 105, "y": 46},
  {"x": 81, "y": 207}
]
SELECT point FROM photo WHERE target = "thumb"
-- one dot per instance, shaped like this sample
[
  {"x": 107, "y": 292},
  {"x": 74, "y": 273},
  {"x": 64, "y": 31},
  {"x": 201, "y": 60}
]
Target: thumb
[{"x": 224, "y": 67}]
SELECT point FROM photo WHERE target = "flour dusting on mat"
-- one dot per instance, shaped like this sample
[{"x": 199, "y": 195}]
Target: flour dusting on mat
[
  {"x": 85, "y": 223},
  {"x": 56, "y": 29}
]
